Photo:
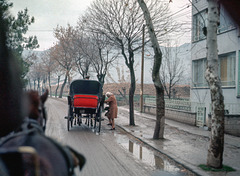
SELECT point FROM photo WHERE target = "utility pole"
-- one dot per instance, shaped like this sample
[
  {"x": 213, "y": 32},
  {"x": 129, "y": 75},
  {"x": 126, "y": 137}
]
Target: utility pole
[{"x": 142, "y": 71}]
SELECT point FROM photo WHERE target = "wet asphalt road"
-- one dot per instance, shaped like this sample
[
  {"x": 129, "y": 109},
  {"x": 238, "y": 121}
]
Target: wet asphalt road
[{"x": 103, "y": 153}]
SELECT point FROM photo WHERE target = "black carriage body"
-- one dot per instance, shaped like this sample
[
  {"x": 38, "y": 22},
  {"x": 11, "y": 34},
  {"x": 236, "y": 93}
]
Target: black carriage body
[
  {"x": 85, "y": 100},
  {"x": 85, "y": 88}
]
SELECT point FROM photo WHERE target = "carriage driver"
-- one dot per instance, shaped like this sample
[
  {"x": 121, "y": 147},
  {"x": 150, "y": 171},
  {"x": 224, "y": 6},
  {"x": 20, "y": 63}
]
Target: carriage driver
[{"x": 87, "y": 77}]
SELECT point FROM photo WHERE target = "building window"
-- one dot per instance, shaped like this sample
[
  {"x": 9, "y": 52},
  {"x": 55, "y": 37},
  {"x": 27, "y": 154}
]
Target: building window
[
  {"x": 199, "y": 21},
  {"x": 226, "y": 23},
  {"x": 226, "y": 69},
  {"x": 227, "y": 64},
  {"x": 199, "y": 68}
]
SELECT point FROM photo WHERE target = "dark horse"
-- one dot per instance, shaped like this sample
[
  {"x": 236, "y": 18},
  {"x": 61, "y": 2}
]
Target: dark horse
[
  {"x": 24, "y": 148},
  {"x": 36, "y": 153}
]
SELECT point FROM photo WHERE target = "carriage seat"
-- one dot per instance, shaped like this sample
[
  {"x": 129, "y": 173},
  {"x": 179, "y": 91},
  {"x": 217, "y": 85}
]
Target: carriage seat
[{"x": 86, "y": 101}]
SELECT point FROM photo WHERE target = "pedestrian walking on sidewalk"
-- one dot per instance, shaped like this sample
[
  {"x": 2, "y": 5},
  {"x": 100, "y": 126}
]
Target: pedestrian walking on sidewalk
[{"x": 113, "y": 109}]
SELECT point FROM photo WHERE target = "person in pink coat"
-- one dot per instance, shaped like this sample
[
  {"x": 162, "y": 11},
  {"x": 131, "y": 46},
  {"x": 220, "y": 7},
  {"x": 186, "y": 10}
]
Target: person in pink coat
[{"x": 113, "y": 109}]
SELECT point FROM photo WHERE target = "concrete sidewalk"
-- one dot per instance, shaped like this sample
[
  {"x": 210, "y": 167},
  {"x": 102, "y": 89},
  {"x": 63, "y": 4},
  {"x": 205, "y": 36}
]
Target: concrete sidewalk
[{"x": 183, "y": 143}]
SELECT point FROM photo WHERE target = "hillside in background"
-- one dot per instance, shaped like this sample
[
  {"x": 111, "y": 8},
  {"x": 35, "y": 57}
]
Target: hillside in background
[
  {"x": 182, "y": 91},
  {"x": 119, "y": 72}
]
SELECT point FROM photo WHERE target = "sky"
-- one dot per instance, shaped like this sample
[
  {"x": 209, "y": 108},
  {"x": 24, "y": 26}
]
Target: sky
[{"x": 50, "y": 13}]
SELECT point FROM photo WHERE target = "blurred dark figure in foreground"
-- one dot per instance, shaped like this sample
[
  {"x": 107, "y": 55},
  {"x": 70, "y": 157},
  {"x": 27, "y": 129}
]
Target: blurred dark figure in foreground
[{"x": 11, "y": 115}]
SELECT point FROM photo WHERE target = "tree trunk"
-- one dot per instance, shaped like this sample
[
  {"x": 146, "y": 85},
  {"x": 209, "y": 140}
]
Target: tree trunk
[
  {"x": 131, "y": 96},
  {"x": 124, "y": 95},
  {"x": 63, "y": 85},
  {"x": 170, "y": 90},
  {"x": 34, "y": 84},
  {"x": 49, "y": 84},
  {"x": 101, "y": 78},
  {"x": 129, "y": 62},
  {"x": 38, "y": 85},
  {"x": 43, "y": 85},
  {"x": 57, "y": 86},
  {"x": 216, "y": 147},
  {"x": 30, "y": 85},
  {"x": 160, "y": 110}
]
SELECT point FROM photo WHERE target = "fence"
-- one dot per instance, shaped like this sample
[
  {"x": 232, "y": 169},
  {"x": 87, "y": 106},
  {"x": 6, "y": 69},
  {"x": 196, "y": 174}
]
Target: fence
[
  {"x": 230, "y": 108},
  {"x": 181, "y": 110},
  {"x": 178, "y": 104},
  {"x": 194, "y": 113},
  {"x": 125, "y": 100}
]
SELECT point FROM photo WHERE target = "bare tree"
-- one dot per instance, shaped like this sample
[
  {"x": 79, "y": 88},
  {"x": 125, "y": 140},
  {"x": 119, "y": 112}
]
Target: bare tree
[
  {"x": 160, "y": 114},
  {"x": 37, "y": 71},
  {"x": 62, "y": 51},
  {"x": 106, "y": 54},
  {"x": 32, "y": 77},
  {"x": 172, "y": 68},
  {"x": 121, "y": 22},
  {"x": 94, "y": 49},
  {"x": 48, "y": 66},
  {"x": 58, "y": 72},
  {"x": 38, "y": 74},
  {"x": 82, "y": 50},
  {"x": 83, "y": 63},
  {"x": 30, "y": 59},
  {"x": 216, "y": 147}
]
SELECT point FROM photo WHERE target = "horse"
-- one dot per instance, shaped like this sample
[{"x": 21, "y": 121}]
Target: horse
[
  {"x": 36, "y": 107},
  {"x": 24, "y": 148},
  {"x": 52, "y": 158}
]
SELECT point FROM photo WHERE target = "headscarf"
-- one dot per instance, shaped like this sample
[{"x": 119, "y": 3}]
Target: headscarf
[{"x": 108, "y": 94}]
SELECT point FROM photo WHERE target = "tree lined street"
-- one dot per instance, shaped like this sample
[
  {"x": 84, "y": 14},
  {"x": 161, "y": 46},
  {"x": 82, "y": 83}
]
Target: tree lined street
[
  {"x": 131, "y": 151},
  {"x": 111, "y": 152},
  {"x": 103, "y": 154},
  {"x": 110, "y": 31}
]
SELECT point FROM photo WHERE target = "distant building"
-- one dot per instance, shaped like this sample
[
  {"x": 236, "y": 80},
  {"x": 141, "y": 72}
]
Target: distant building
[{"x": 229, "y": 56}]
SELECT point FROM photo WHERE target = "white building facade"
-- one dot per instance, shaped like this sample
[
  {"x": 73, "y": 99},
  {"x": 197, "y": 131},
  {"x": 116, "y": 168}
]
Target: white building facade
[{"x": 229, "y": 59}]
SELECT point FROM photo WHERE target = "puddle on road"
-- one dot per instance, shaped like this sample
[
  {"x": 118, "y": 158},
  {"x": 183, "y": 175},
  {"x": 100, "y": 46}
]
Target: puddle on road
[{"x": 148, "y": 156}]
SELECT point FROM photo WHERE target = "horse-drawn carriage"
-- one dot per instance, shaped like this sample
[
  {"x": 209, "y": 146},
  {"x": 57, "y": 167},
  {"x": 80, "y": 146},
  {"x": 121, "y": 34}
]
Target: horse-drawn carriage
[{"x": 85, "y": 100}]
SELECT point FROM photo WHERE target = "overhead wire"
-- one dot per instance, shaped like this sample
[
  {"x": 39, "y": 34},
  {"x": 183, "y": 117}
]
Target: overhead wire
[
  {"x": 182, "y": 14},
  {"x": 187, "y": 6}
]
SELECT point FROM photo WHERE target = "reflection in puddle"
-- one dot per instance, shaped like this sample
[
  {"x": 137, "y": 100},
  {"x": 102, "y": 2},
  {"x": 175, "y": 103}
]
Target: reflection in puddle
[{"x": 147, "y": 156}]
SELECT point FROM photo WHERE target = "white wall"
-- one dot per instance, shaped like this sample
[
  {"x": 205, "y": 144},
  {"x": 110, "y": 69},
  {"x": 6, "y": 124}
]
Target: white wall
[{"x": 227, "y": 42}]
